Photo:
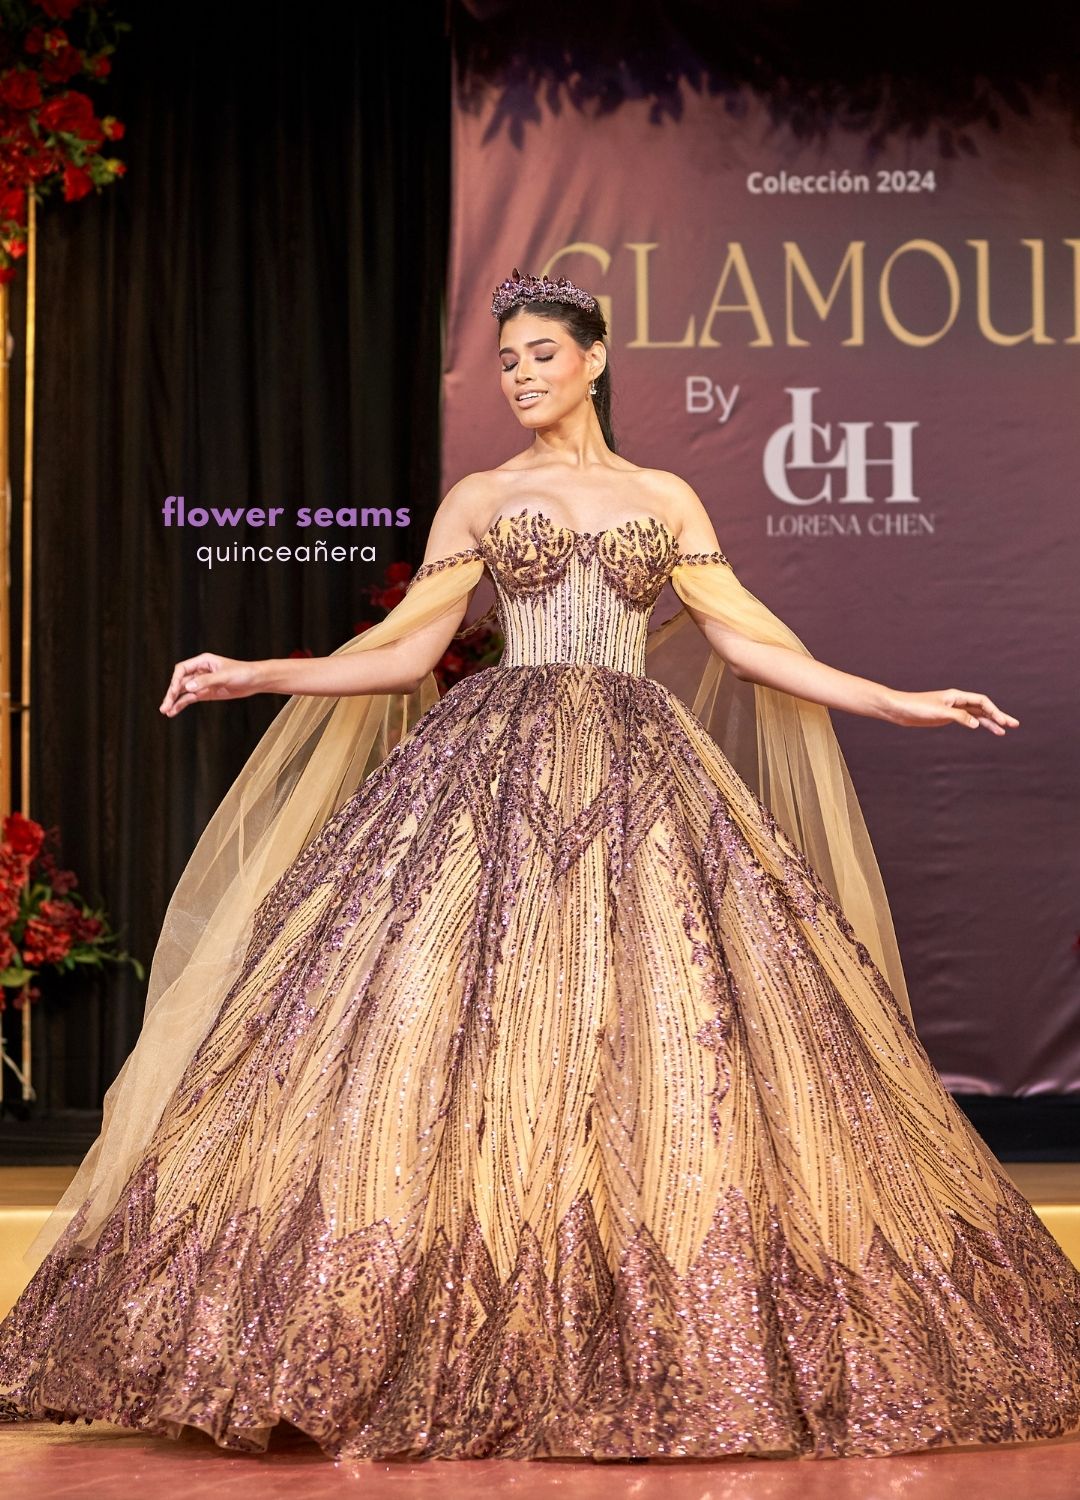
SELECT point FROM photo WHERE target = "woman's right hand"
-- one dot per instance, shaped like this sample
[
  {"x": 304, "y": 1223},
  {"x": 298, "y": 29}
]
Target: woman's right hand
[{"x": 207, "y": 677}]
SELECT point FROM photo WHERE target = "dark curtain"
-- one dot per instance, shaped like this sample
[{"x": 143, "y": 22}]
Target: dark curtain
[{"x": 253, "y": 316}]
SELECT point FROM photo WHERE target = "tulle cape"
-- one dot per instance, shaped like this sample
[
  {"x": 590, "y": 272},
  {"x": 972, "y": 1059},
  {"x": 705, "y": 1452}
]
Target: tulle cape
[{"x": 318, "y": 750}]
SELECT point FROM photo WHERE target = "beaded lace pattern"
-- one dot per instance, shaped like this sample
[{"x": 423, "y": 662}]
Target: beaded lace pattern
[
  {"x": 528, "y": 552},
  {"x": 557, "y": 1110}
]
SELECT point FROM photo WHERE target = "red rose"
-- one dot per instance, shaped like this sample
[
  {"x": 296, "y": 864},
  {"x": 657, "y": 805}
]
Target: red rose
[
  {"x": 55, "y": 40},
  {"x": 59, "y": 10},
  {"x": 14, "y": 868},
  {"x": 20, "y": 89},
  {"x": 389, "y": 597},
  {"x": 58, "y": 913},
  {"x": 398, "y": 572},
  {"x": 113, "y": 128},
  {"x": 85, "y": 928},
  {"x": 16, "y": 140},
  {"x": 7, "y": 951},
  {"x": 14, "y": 246},
  {"x": 77, "y": 183},
  {"x": 7, "y": 273},
  {"x": 23, "y": 834},
  {"x": 92, "y": 133},
  {"x": 43, "y": 163},
  {"x": 13, "y": 205},
  {"x": 9, "y": 909},
  {"x": 71, "y": 112},
  {"x": 43, "y": 944},
  {"x": 63, "y": 66},
  {"x": 100, "y": 66},
  {"x": 362, "y": 625},
  {"x": 35, "y": 40}
]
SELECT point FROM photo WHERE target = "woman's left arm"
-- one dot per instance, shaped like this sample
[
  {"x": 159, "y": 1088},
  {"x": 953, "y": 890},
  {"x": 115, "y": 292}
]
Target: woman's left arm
[{"x": 804, "y": 676}]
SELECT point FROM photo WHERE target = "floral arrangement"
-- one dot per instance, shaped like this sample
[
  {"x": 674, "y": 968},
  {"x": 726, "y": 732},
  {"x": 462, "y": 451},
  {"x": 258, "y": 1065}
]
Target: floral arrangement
[
  {"x": 482, "y": 647},
  {"x": 49, "y": 133},
  {"x": 44, "y": 921}
]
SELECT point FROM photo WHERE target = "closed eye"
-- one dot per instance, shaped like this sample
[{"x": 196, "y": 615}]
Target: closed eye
[{"x": 540, "y": 359}]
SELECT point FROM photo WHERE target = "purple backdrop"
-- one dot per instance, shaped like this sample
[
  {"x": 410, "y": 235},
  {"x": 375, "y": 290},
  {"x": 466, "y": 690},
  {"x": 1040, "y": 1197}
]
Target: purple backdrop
[{"x": 776, "y": 310}]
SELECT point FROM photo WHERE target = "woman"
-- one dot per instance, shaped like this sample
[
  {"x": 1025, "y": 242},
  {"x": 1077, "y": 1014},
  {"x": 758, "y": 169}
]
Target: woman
[{"x": 518, "y": 1078}]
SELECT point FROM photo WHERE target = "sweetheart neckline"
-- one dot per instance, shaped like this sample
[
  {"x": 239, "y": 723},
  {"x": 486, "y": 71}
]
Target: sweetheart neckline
[{"x": 621, "y": 526}]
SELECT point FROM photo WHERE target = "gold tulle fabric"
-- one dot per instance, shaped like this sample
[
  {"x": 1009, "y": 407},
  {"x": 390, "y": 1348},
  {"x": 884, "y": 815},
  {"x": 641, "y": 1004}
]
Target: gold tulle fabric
[{"x": 523, "y": 1074}]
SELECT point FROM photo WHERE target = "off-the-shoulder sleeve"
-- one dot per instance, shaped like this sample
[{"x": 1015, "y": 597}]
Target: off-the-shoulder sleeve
[
  {"x": 429, "y": 570},
  {"x": 438, "y": 564},
  {"x": 693, "y": 558}
]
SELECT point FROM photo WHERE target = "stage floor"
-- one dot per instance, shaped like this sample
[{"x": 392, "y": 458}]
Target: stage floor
[
  {"x": 48, "y": 1460},
  {"x": 107, "y": 1463}
]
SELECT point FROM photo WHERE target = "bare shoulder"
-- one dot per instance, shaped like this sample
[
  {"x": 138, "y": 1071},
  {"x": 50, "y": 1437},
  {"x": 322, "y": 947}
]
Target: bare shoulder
[
  {"x": 682, "y": 509},
  {"x": 459, "y": 517}
]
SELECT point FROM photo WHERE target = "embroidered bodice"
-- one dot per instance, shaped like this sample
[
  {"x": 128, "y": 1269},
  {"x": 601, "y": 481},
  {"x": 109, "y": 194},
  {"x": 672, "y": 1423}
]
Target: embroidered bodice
[{"x": 576, "y": 596}]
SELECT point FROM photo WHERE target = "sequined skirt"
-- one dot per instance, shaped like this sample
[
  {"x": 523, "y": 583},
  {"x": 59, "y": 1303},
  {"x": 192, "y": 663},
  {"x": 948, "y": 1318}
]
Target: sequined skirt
[{"x": 557, "y": 1110}]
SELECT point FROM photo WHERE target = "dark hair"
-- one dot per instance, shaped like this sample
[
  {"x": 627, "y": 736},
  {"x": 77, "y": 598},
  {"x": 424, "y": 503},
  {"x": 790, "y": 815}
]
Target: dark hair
[{"x": 584, "y": 328}]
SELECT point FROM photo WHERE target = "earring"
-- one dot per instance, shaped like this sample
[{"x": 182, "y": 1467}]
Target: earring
[{"x": 592, "y": 389}]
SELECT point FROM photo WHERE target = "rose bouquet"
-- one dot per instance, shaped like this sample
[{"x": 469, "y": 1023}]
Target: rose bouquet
[
  {"x": 45, "y": 923},
  {"x": 49, "y": 133}
]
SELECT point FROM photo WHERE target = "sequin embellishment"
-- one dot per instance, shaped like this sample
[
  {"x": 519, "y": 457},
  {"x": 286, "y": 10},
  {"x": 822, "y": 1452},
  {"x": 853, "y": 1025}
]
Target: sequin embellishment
[{"x": 556, "y": 1110}]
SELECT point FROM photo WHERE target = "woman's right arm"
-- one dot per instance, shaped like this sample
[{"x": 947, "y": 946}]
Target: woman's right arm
[
  {"x": 395, "y": 668},
  {"x": 398, "y": 667}
]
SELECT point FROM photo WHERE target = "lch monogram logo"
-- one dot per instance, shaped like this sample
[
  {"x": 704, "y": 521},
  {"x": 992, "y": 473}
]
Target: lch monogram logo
[{"x": 791, "y": 447}]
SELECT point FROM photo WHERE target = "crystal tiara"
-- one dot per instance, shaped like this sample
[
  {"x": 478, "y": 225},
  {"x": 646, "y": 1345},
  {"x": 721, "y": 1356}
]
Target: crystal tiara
[{"x": 521, "y": 289}]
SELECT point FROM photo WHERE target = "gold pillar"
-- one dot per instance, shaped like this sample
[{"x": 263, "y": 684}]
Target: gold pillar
[
  {"x": 9, "y": 706},
  {"x": 5, "y": 556},
  {"x": 27, "y": 507}
]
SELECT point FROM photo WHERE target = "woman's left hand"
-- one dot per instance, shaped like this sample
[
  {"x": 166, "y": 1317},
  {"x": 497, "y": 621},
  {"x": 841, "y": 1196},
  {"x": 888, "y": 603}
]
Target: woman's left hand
[{"x": 949, "y": 706}]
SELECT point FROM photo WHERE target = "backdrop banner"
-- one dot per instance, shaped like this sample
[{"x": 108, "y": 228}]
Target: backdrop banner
[{"x": 864, "y": 359}]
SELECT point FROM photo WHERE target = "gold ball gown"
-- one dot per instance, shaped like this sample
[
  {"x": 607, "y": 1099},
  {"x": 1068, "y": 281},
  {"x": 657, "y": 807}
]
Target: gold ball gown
[{"x": 527, "y": 1071}]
